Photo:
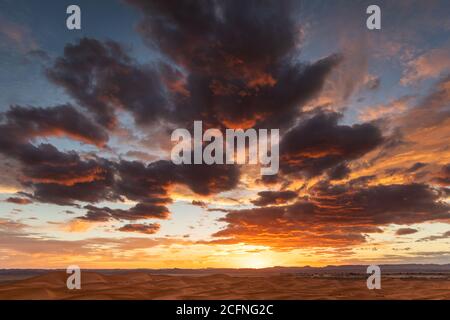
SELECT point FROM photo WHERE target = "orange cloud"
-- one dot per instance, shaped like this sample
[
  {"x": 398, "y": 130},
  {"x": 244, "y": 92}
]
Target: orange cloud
[
  {"x": 382, "y": 110},
  {"x": 18, "y": 35},
  {"x": 428, "y": 65}
]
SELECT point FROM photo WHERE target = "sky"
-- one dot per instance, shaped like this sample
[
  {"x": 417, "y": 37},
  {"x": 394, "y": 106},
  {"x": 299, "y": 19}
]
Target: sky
[{"x": 86, "y": 118}]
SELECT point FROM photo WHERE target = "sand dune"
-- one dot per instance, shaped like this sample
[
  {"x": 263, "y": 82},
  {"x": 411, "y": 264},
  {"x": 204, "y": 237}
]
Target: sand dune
[{"x": 137, "y": 285}]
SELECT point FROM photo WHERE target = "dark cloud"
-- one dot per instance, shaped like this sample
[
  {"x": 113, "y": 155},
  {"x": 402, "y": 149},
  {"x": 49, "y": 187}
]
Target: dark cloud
[
  {"x": 274, "y": 197},
  {"x": 361, "y": 181},
  {"x": 149, "y": 210},
  {"x": 16, "y": 200},
  {"x": 405, "y": 231},
  {"x": 239, "y": 60},
  {"x": 416, "y": 166},
  {"x": 92, "y": 192},
  {"x": 64, "y": 177},
  {"x": 55, "y": 176},
  {"x": 269, "y": 179},
  {"x": 218, "y": 210},
  {"x": 148, "y": 184},
  {"x": 139, "y": 180},
  {"x": 208, "y": 179},
  {"x": 103, "y": 78},
  {"x": 445, "y": 235},
  {"x": 384, "y": 204},
  {"x": 271, "y": 107},
  {"x": 20, "y": 124},
  {"x": 150, "y": 228},
  {"x": 334, "y": 215},
  {"x": 319, "y": 143},
  {"x": 199, "y": 203},
  {"x": 225, "y": 68},
  {"x": 253, "y": 31},
  {"x": 48, "y": 165},
  {"x": 339, "y": 172}
]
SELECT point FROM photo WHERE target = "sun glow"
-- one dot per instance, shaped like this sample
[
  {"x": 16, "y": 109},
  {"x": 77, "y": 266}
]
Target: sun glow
[{"x": 255, "y": 261}]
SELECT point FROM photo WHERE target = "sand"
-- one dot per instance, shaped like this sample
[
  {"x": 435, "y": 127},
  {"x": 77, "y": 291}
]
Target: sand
[{"x": 138, "y": 285}]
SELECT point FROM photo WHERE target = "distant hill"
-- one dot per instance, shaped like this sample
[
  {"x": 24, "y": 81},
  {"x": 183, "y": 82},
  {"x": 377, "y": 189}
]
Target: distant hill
[{"x": 8, "y": 274}]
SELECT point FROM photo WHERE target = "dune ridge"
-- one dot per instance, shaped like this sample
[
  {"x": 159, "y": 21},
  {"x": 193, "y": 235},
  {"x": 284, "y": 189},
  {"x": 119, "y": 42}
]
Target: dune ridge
[{"x": 144, "y": 285}]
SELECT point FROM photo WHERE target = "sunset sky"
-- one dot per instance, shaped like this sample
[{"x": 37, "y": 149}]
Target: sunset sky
[{"x": 86, "y": 117}]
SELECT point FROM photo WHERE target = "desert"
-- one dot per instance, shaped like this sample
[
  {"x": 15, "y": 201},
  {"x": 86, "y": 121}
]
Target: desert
[{"x": 236, "y": 284}]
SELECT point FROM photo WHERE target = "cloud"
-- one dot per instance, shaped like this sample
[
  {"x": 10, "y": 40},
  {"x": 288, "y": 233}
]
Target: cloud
[
  {"x": 103, "y": 79},
  {"x": 394, "y": 107},
  {"x": 372, "y": 82},
  {"x": 236, "y": 59},
  {"x": 230, "y": 64},
  {"x": 339, "y": 172},
  {"x": 334, "y": 216},
  {"x": 207, "y": 179},
  {"x": 16, "y": 241},
  {"x": 443, "y": 177},
  {"x": 274, "y": 197},
  {"x": 414, "y": 135},
  {"x": 444, "y": 235},
  {"x": 149, "y": 184},
  {"x": 23, "y": 123},
  {"x": 150, "y": 228},
  {"x": 140, "y": 181},
  {"x": 139, "y": 155},
  {"x": 66, "y": 177},
  {"x": 143, "y": 210},
  {"x": 431, "y": 111},
  {"x": 271, "y": 30},
  {"x": 77, "y": 225},
  {"x": 57, "y": 177},
  {"x": 17, "y": 35},
  {"x": 416, "y": 166},
  {"x": 9, "y": 227},
  {"x": 405, "y": 231},
  {"x": 245, "y": 77},
  {"x": 428, "y": 65},
  {"x": 199, "y": 203},
  {"x": 319, "y": 143},
  {"x": 16, "y": 200},
  {"x": 76, "y": 170}
]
